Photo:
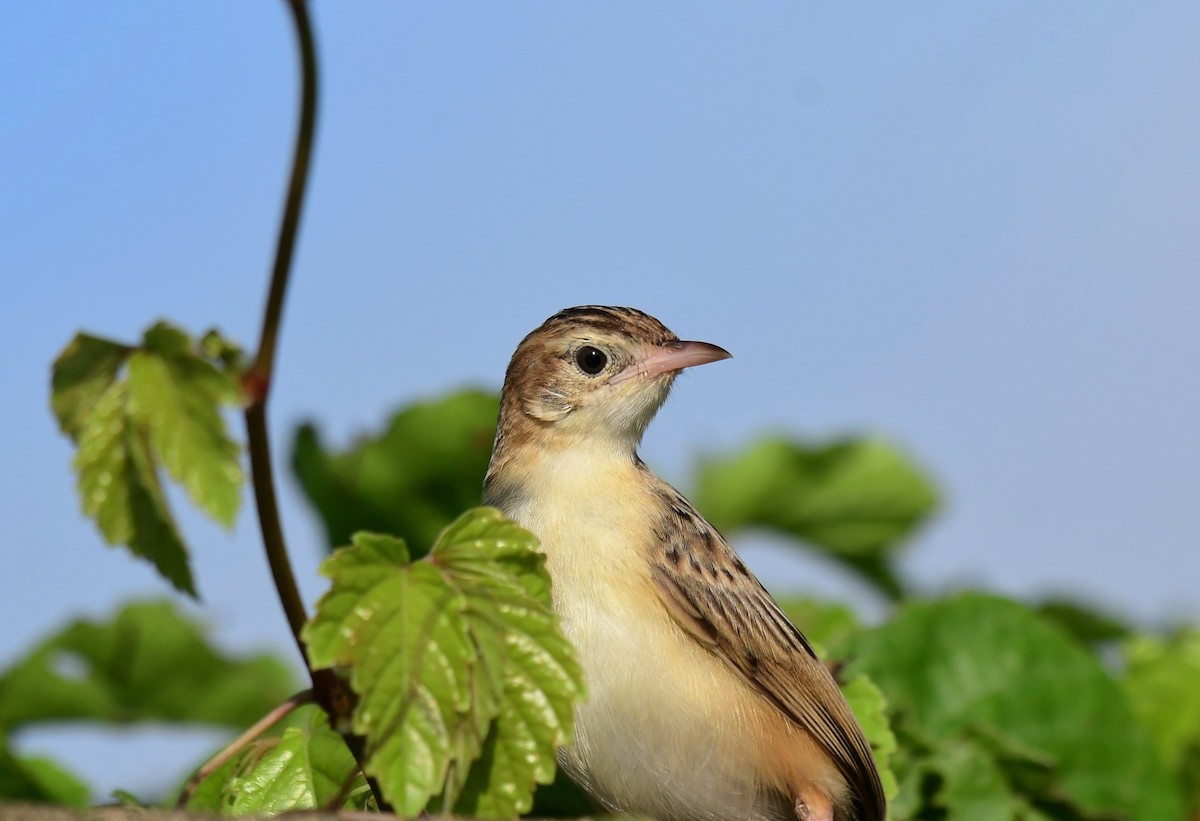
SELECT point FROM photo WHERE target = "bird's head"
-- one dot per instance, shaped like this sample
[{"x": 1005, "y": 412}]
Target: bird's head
[{"x": 595, "y": 373}]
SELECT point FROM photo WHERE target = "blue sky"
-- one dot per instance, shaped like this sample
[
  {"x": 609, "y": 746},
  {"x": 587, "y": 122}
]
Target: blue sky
[{"x": 968, "y": 227}]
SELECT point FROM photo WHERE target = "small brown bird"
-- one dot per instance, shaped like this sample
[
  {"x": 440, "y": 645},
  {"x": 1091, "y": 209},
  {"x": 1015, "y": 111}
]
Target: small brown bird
[{"x": 704, "y": 701}]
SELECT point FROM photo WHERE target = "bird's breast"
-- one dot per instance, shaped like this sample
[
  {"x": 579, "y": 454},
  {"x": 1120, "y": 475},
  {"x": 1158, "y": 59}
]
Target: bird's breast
[{"x": 665, "y": 724}]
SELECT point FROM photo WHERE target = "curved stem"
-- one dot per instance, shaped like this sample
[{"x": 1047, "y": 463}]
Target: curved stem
[
  {"x": 270, "y": 524},
  {"x": 257, "y": 381},
  {"x": 301, "y": 162},
  {"x": 328, "y": 690},
  {"x": 238, "y": 744}
]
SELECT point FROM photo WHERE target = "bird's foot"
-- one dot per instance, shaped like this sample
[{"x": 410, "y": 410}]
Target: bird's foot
[{"x": 814, "y": 807}]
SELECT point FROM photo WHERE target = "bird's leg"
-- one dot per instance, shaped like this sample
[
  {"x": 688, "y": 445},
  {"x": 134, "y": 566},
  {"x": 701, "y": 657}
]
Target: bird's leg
[{"x": 813, "y": 806}]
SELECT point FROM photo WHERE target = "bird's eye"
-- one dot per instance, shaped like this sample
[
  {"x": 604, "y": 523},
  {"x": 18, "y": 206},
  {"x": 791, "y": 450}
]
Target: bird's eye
[{"x": 590, "y": 360}]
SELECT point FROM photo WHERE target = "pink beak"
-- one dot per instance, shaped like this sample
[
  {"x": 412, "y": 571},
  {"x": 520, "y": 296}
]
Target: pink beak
[{"x": 674, "y": 356}]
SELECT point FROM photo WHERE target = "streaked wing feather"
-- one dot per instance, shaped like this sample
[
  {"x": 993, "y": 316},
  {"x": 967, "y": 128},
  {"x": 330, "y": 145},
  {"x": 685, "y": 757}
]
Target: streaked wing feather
[{"x": 730, "y": 612}]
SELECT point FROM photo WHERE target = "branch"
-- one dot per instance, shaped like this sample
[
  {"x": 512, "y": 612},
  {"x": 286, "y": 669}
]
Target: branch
[
  {"x": 238, "y": 744},
  {"x": 257, "y": 381},
  {"x": 328, "y": 691}
]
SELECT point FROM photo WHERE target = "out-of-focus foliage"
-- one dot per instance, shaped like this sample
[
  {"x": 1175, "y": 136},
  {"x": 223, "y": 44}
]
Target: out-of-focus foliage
[
  {"x": 827, "y": 625},
  {"x": 1163, "y": 683},
  {"x": 1002, "y": 715},
  {"x": 411, "y": 480},
  {"x": 855, "y": 501},
  {"x": 38, "y": 780},
  {"x": 870, "y": 708},
  {"x": 148, "y": 663},
  {"x": 1086, "y": 622}
]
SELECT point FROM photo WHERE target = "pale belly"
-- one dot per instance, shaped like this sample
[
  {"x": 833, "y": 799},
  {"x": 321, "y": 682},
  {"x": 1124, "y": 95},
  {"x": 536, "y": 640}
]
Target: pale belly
[{"x": 667, "y": 729}]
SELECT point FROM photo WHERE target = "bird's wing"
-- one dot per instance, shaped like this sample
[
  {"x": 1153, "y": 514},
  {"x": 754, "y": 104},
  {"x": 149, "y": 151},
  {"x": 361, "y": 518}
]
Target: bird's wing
[{"x": 719, "y": 602}]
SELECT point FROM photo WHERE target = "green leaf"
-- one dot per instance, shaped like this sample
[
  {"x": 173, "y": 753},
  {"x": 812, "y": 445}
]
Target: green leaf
[
  {"x": 305, "y": 768},
  {"x": 456, "y": 659},
  {"x": 411, "y": 480},
  {"x": 148, "y": 663},
  {"x": 973, "y": 788},
  {"x": 399, "y": 627},
  {"x": 177, "y": 396},
  {"x": 972, "y": 778},
  {"x": 870, "y": 708},
  {"x": 303, "y": 771},
  {"x": 211, "y": 794},
  {"x": 215, "y": 347},
  {"x": 39, "y": 781},
  {"x": 167, "y": 410},
  {"x": 125, "y": 798},
  {"x": 854, "y": 500},
  {"x": 1086, "y": 622},
  {"x": 1163, "y": 682},
  {"x": 120, "y": 489},
  {"x": 500, "y": 570},
  {"x": 976, "y": 667},
  {"x": 82, "y": 373}
]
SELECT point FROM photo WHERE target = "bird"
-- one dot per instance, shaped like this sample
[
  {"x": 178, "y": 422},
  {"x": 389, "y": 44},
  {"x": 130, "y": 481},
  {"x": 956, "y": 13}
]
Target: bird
[{"x": 704, "y": 702}]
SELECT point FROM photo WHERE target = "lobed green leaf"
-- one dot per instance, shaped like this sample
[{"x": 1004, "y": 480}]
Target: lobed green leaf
[
  {"x": 304, "y": 768},
  {"x": 466, "y": 684},
  {"x": 120, "y": 488},
  {"x": 398, "y": 627},
  {"x": 81, "y": 374},
  {"x": 973, "y": 786},
  {"x": 165, "y": 411},
  {"x": 177, "y": 395}
]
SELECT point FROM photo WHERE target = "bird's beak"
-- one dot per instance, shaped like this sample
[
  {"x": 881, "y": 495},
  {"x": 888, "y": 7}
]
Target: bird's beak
[{"x": 673, "y": 356}]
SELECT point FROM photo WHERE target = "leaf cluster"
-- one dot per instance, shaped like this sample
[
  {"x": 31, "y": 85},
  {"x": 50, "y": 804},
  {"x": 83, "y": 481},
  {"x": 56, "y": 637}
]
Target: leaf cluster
[
  {"x": 466, "y": 686},
  {"x": 463, "y": 686},
  {"x": 134, "y": 412}
]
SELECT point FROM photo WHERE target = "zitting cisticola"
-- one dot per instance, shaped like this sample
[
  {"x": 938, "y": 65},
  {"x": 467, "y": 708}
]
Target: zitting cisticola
[{"x": 704, "y": 701}]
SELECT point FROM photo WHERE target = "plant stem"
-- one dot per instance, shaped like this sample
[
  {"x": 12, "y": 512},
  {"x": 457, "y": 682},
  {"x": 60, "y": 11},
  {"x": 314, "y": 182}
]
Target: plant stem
[
  {"x": 257, "y": 381},
  {"x": 301, "y": 162},
  {"x": 329, "y": 692},
  {"x": 270, "y": 525},
  {"x": 234, "y": 747}
]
